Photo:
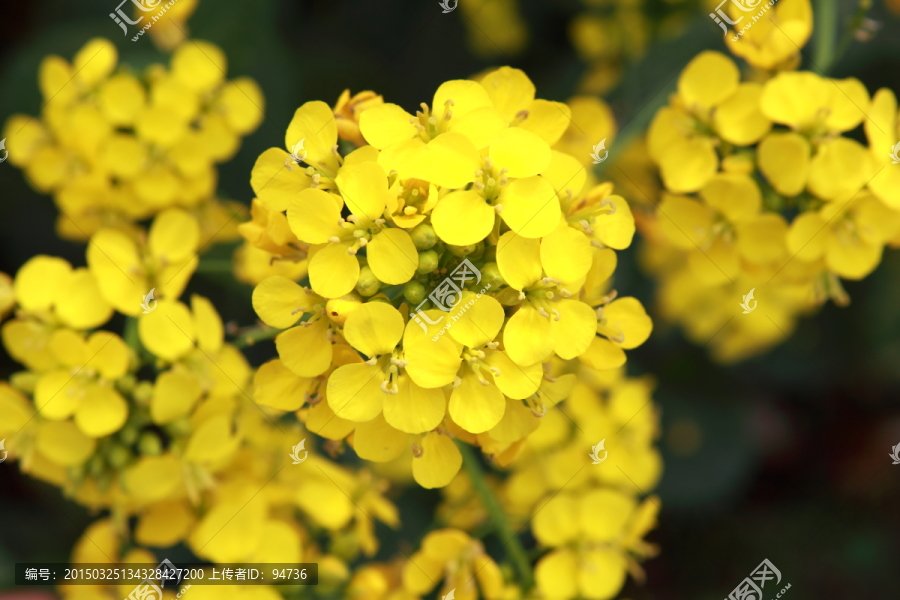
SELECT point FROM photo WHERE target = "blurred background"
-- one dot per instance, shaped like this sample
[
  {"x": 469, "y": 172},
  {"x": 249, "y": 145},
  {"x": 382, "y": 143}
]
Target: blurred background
[{"x": 784, "y": 456}]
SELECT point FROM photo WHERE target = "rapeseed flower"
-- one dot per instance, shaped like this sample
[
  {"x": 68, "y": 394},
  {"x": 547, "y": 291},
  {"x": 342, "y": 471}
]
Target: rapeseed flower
[
  {"x": 764, "y": 193},
  {"x": 478, "y": 183},
  {"x": 114, "y": 147}
]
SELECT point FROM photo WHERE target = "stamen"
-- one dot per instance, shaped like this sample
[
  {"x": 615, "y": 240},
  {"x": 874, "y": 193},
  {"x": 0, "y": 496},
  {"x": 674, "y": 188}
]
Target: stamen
[
  {"x": 556, "y": 314},
  {"x": 498, "y": 208},
  {"x": 493, "y": 345},
  {"x": 457, "y": 382},
  {"x": 399, "y": 362},
  {"x": 334, "y": 239},
  {"x": 597, "y": 244},
  {"x": 478, "y": 186},
  {"x": 543, "y": 312},
  {"x": 296, "y": 310},
  {"x": 372, "y": 361},
  {"x": 608, "y": 202}
]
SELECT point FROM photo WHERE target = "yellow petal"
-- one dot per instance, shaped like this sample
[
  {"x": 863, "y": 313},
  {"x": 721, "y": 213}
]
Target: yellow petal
[
  {"x": 174, "y": 395},
  {"x": 386, "y": 125},
  {"x": 199, "y": 65},
  {"x": 476, "y": 407},
  {"x": 313, "y": 216},
  {"x": 63, "y": 443},
  {"x": 377, "y": 441},
  {"x": 277, "y": 386},
  {"x": 432, "y": 363},
  {"x": 414, "y": 409},
  {"x": 603, "y": 354},
  {"x": 364, "y": 187},
  {"x": 276, "y": 299},
  {"x": 212, "y": 440},
  {"x": 514, "y": 381},
  {"x": 627, "y": 315},
  {"x": 101, "y": 412},
  {"x": 530, "y": 206},
  {"x": 462, "y": 218},
  {"x": 528, "y": 337},
  {"x": 566, "y": 254},
  {"x": 314, "y": 124},
  {"x": 784, "y": 160},
  {"x": 392, "y": 256},
  {"x": 164, "y": 524},
  {"x": 38, "y": 280},
  {"x": 480, "y": 323},
  {"x": 354, "y": 392},
  {"x": 556, "y": 573},
  {"x": 174, "y": 236},
  {"x": 708, "y": 80},
  {"x": 557, "y": 522},
  {"x": 168, "y": 331},
  {"x": 95, "y": 61},
  {"x": 762, "y": 239},
  {"x": 450, "y": 161},
  {"x": 305, "y": 349},
  {"x": 274, "y": 184},
  {"x": 374, "y": 328},
  {"x": 439, "y": 462},
  {"x": 467, "y": 96},
  {"x": 549, "y": 120},
  {"x": 739, "y": 119},
  {"x": 332, "y": 272},
  {"x": 575, "y": 329},
  {"x": 522, "y": 152},
  {"x": 510, "y": 90},
  {"x": 210, "y": 332},
  {"x": 518, "y": 259},
  {"x": 733, "y": 194}
]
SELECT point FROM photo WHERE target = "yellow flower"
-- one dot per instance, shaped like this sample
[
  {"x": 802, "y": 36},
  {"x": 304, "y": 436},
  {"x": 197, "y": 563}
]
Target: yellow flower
[
  {"x": 347, "y": 111},
  {"x": 127, "y": 270},
  {"x": 457, "y": 559},
  {"x": 775, "y": 37}
]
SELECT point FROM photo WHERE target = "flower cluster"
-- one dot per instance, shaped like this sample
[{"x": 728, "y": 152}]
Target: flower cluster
[
  {"x": 762, "y": 192},
  {"x": 471, "y": 205},
  {"x": 456, "y": 270},
  {"x": 114, "y": 147}
]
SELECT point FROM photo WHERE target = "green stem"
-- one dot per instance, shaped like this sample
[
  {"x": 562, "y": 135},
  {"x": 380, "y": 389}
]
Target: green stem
[
  {"x": 511, "y": 542},
  {"x": 214, "y": 265},
  {"x": 855, "y": 23},
  {"x": 255, "y": 334},
  {"x": 826, "y": 16}
]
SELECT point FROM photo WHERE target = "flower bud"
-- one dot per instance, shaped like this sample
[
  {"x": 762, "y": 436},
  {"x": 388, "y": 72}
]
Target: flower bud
[
  {"x": 428, "y": 261},
  {"x": 462, "y": 251},
  {"x": 367, "y": 284},
  {"x": 414, "y": 292},
  {"x": 423, "y": 236},
  {"x": 149, "y": 444},
  {"x": 338, "y": 309},
  {"x": 117, "y": 456},
  {"x": 490, "y": 274}
]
